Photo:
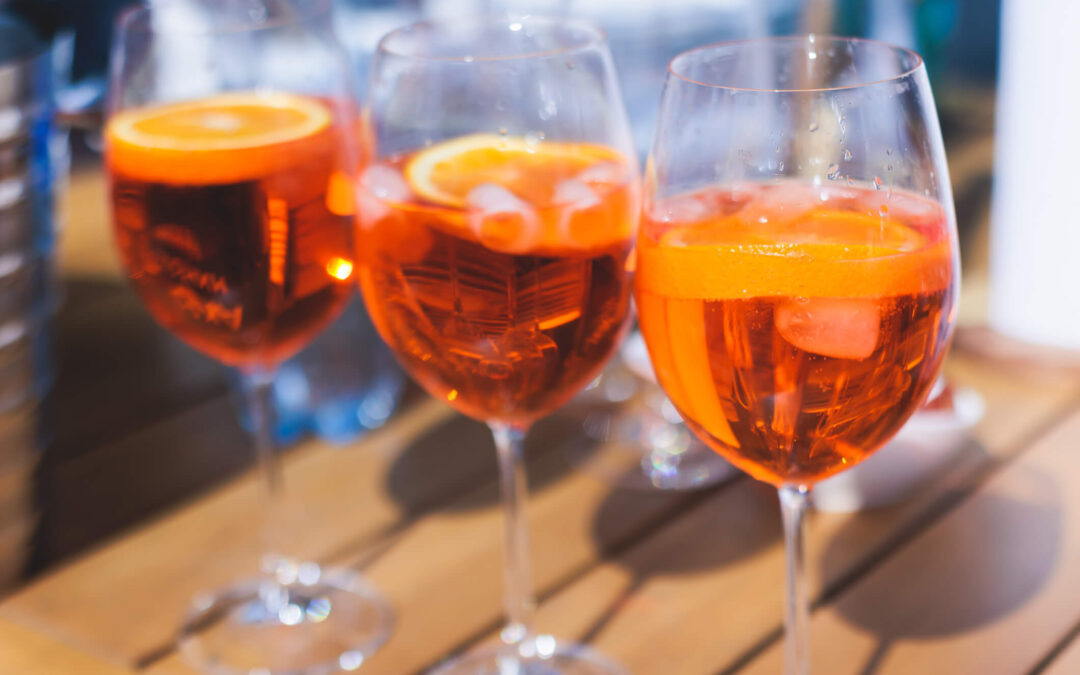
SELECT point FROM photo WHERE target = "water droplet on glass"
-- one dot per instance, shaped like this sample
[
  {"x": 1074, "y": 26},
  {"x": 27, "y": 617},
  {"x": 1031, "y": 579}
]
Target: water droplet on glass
[
  {"x": 777, "y": 148},
  {"x": 533, "y": 138},
  {"x": 847, "y": 154},
  {"x": 780, "y": 167},
  {"x": 889, "y": 168},
  {"x": 888, "y": 151},
  {"x": 468, "y": 59},
  {"x": 834, "y": 172},
  {"x": 813, "y": 126},
  {"x": 850, "y": 181},
  {"x": 878, "y": 182}
]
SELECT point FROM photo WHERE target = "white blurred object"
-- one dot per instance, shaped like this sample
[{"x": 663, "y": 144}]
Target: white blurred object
[
  {"x": 913, "y": 458},
  {"x": 1034, "y": 276}
]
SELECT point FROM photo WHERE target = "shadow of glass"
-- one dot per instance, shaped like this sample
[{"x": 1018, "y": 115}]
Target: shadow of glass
[
  {"x": 986, "y": 564},
  {"x": 683, "y": 533},
  {"x": 444, "y": 466}
]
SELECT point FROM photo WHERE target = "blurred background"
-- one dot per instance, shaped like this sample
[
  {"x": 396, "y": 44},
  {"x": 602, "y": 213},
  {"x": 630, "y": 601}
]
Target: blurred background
[{"x": 95, "y": 399}]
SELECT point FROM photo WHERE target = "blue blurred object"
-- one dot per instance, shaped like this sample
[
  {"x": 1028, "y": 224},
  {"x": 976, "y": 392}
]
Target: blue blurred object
[
  {"x": 342, "y": 385},
  {"x": 31, "y": 161}
]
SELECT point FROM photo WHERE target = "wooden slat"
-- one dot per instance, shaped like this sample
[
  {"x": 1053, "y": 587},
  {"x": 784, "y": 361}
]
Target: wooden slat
[
  {"x": 1067, "y": 662},
  {"x": 153, "y": 573},
  {"x": 26, "y": 652},
  {"x": 988, "y": 589},
  {"x": 699, "y": 595},
  {"x": 443, "y": 574},
  {"x": 343, "y": 500},
  {"x": 118, "y": 372},
  {"x": 86, "y": 246},
  {"x": 125, "y": 481}
]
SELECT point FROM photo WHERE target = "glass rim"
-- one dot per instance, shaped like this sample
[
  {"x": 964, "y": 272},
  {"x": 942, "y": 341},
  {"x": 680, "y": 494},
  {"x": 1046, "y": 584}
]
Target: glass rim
[
  {"x": 126, "y": 21},
  {"x": 595, "y": 37},
  {"x": 812, "y": 38}
]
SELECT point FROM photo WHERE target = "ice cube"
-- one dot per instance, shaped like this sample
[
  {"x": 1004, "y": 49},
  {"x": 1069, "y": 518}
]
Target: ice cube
[
  {"x": 573, "y": 197},
  {"x": 386, "y": 183},
  {"x": 684, "y": 209},
  {"x": 380, "y": 184},
  {"x": 608, "y": 173},
  {"x": 502, "y": 220},
  {"x": 841, "y": 328},
  {"x": 781, "y": 204}
]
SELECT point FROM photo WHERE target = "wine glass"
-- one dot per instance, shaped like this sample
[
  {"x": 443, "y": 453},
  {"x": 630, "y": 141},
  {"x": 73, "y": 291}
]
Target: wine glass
[
  {"x": 638, "y": 441},
  {"x": 497, "y": 225},
  {"x": 797, "y": 263},
  {"x": 230, "y": 153}
]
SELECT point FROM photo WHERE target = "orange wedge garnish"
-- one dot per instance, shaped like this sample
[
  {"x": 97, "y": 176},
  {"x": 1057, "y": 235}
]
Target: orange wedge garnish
[
  {"x": 447, "y": 172},
  {"x": 821, "y": 254},
  {"x": 220, "y": 139},
  {"x": 518, "y": 195}
]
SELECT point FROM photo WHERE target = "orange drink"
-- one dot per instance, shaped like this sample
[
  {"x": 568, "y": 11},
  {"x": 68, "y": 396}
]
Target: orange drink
[
  {"x": 795, "y": 328},
  {"x": 498, "y": 267},
  {"x": 233, "y": 221}
]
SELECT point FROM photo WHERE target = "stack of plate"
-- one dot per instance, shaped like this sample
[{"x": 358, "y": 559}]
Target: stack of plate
[{"x": 28, "y": 296}]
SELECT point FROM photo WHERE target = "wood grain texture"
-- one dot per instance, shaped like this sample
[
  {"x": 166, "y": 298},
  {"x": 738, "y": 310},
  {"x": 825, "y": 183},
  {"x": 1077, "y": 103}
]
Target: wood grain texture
[
  {"x": 1067, "y": 662},
  {"x": 443, "y": 574},
  {"x": 703, "y": 593},
  {"x": 988, "y": 589},
  {"x": 152, "y": 573},
  {"x": 27, "y": 652}
]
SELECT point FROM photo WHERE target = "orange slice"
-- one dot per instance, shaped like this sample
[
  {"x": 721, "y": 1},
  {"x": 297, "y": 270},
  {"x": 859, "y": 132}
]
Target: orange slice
[
  {"x": 514, "y": 195},
  {"x": 825, "y": 254},
  {"x": 447, "y": 172},
  {"x": 220, "y": 139}
]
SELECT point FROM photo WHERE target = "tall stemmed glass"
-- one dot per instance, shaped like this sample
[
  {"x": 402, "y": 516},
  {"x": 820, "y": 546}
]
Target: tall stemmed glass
[
  {"x": 797, "y": 262},
  {"x": 230, "y": 153},
  {"x": 497, "y": 224}
]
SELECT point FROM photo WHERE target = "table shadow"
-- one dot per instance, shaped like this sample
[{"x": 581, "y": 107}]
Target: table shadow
[
  {"x": 444, "y": 467},
  {"x": 972, "y": 588},
  {"x": 740, "y": 530}
]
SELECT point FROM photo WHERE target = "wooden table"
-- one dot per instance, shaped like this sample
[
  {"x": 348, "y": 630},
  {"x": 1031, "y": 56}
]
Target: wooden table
[{"x": 977, "y": 572}]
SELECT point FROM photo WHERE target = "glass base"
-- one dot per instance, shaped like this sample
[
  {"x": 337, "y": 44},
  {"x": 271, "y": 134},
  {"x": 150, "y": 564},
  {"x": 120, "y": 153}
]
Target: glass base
[
  {"x": 542, "y": 655},
  {"x": 323, "y": 621},
  {"x": 639, "y": 448}
]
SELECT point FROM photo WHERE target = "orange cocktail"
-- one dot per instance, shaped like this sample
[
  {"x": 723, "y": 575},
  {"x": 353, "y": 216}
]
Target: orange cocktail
[
  {"x": 498, "y": 268},
  {"x": 233, "y": 220},
  {"x": 795, "y": 334}
]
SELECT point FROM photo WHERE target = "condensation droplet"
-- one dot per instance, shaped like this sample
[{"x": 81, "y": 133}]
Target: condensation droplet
[
  {"x": 834, "y": 172},
  {"x": 889, "y": 167},
  {"x": 813, "y": 127},
  {"x": 888, "y": 151},
  {"x": 878, "y": 182},
  {"x": 780, "y": 166},
  {"x": 847, "y": 154}
]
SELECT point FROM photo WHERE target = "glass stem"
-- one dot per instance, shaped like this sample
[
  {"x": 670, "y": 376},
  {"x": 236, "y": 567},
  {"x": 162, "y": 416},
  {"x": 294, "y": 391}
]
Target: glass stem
[
  {"x": 518, "y": 595},
  {"x": 793, "y": 500},
  {"x": 258, "y": 392}
]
